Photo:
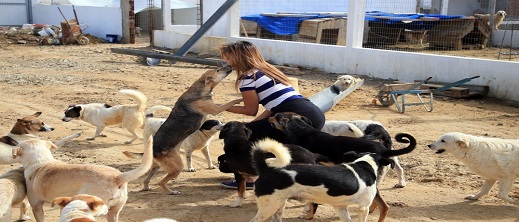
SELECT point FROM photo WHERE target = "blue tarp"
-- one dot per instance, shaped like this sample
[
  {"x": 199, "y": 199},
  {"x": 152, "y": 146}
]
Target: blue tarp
[
  {"x": 281, "y": 25},
  {"x": 289, "y": 25}
]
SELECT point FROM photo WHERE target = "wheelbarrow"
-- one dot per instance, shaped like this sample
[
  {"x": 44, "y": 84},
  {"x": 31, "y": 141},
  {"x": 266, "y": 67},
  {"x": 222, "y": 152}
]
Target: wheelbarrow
[{"x": 389, "y": 94}]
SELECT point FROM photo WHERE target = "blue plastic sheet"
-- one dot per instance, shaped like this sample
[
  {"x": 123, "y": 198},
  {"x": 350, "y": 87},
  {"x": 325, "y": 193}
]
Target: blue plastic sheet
[{"x": 289, "y": 25}]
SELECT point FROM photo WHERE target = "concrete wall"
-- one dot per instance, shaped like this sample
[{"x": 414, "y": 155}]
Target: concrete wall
[
  {"x": 500, "y": 76},
  {"x": 99, "y": 20}
]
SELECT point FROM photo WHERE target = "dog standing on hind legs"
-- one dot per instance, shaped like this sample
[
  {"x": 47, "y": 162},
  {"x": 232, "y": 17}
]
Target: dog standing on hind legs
[{"x": 190, "y": 110}]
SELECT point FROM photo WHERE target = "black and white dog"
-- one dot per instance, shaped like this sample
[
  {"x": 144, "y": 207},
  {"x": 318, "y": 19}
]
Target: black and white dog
[
  {"x": 237, "y": 148},
  {"x": 340, "y": 185},
  {"x": 366, "y": 129}
]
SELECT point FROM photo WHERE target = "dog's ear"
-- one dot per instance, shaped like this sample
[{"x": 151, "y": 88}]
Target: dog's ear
[
  {"x": 51, "y": 145},
  {"x": 36, "y": 114},
  {"x": 248, "y": 132},
  {"x": 61, "y": 201},
  {"x": 17, "y": 151},
  {"x": 350, "y": 156},
  {"x": 463, "y": 143},
  {"x": 93, "y": 205},
  {"x": 23, "y": 122},
  {"x": 307, "y": 120},
  {"x": 223, "y": 132},
  {"x": 208, "y": 80}
]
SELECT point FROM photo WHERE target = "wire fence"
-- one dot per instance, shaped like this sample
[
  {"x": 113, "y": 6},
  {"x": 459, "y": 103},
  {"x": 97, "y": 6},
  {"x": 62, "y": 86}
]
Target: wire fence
[{"x": 424, "y": 26}]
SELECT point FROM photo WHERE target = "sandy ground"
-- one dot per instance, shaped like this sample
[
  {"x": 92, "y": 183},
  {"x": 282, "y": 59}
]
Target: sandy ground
[{"x": 49, "y": 78}]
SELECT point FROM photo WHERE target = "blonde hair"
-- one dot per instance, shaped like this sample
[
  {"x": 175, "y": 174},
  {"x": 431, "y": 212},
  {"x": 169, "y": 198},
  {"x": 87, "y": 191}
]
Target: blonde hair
[{"x": 245, "y": 58}]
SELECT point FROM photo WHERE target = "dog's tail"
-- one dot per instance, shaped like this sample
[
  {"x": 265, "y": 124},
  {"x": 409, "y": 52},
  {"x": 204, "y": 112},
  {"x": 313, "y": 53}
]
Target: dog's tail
[
  {"x": 144, "y": 166},
  {"x": 401, "y": 138},
  {"x": 140, "y": 97},
  {"x": 133, "y": 155},
  {"x": 151, "y": 111},
  {"x": 355, "y": 130},
  {"x": 260, "y": 150}
]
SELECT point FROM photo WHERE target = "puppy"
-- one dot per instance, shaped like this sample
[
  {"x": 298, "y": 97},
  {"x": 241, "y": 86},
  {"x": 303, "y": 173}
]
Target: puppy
[
  {"x": 26, "y": 128},
  {"x": 47, "y": 178},
  {"x": 366, "y": 129},
  {"x": 344, "y": 82},
  {"x": 237, "y": 149},
  {"x": 80, "y": 208},
  {"x": 102, "y": 115},
  {"x": 341, "y": 185},
  {"x": 13, "y": 193},
  {"x": 199, "y": 140},
  {"x": 188, "y": 114},
  {"x": 494, "y": 159}
]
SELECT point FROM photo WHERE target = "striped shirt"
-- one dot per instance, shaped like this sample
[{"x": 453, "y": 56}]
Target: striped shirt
[{"x": 270, "y": 94}]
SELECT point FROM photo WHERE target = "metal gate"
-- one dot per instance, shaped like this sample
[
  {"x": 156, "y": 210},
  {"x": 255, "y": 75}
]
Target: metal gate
[{"x": 14, "y": 12}]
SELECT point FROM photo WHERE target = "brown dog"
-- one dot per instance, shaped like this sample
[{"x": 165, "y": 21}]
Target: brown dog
[
  {"x": 190, "y": 110},
  {"x": 80, "y": 208},
  {"x": 26, "y": 128},
  {"x": 47, "y": 178}
]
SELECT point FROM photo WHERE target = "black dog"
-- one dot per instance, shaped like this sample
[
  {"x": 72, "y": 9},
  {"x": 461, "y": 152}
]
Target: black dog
[
  {"x": 238, "y": 149},
  {"x": 341, "y": 185}
]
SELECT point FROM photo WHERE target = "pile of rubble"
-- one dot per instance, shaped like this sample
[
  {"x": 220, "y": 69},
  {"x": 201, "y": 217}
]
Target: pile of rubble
[{"x": 42, "y": 35}]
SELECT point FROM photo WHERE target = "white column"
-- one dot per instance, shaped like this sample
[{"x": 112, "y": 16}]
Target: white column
[
  {"x": 166, "y": 14},
  {"x": 445, "y": 7},
  {"x": 355, "y": 26},
  {"x": 234, "y": 20}
]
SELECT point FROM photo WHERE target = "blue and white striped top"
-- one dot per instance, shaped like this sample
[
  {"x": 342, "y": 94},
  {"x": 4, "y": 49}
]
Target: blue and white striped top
[{"x": 270, "y": 94}]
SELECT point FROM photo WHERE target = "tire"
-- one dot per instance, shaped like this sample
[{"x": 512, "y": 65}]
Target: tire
[
  {"x": 385, "y": 98},
  {"x": 82, "y": 40}
]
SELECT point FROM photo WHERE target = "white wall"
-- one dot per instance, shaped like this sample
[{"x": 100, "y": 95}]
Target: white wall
[
  {"x": 100, "y": 20},
  {"x": 500, "y": 76}
]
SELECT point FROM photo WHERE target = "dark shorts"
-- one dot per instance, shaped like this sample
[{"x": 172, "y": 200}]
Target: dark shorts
[{"x": 262, "y": 128}]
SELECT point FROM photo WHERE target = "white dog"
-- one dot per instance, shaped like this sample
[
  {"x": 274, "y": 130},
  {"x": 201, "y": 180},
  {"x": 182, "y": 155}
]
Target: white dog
[
  {"x": 344, "y": 82},
  {"x": 81, "y": 207},
  {"x": 498, "y": 18},
  {"x": 102, "y": 115},
  {"x": 12, "y": 194},
  {"x": 494, "y": 159},
  {"x": 47, "y": 178}
]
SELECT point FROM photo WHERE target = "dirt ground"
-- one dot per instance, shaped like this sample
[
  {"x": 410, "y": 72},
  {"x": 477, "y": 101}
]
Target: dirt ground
[{"x": 49, "y": 78}]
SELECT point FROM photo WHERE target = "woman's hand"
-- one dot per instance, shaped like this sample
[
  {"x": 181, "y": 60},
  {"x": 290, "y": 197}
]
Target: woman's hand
[{"x": 251, "y": 104}]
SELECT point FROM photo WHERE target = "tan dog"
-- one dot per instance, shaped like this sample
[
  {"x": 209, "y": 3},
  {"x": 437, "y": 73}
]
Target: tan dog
[
  {"x": 102, "y": 115},
  {"x": 80, "y": 208},
  {"x": 48, "y": 178},
  {"x": 188, "y": 114},
  {"x": 12, "y": 194},
  {"x": 26, "y": 128}
]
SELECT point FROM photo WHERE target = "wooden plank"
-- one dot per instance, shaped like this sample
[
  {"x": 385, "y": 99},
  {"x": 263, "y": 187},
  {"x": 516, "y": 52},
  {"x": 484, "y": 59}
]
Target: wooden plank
[
  {"x": 472, "y": 88},
  {"x": 453, "y": 91}
]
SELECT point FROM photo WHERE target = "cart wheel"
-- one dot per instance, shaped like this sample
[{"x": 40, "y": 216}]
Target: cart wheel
[
  {"x": 82, "y": 40},
  {"x": 385, "y": 98}
]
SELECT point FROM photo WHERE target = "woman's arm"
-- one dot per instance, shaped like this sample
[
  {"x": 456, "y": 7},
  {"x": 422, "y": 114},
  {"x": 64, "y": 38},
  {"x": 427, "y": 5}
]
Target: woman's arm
[
  {"x": 251, "y": 104},
  {"x": 263, "y": 115}
]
